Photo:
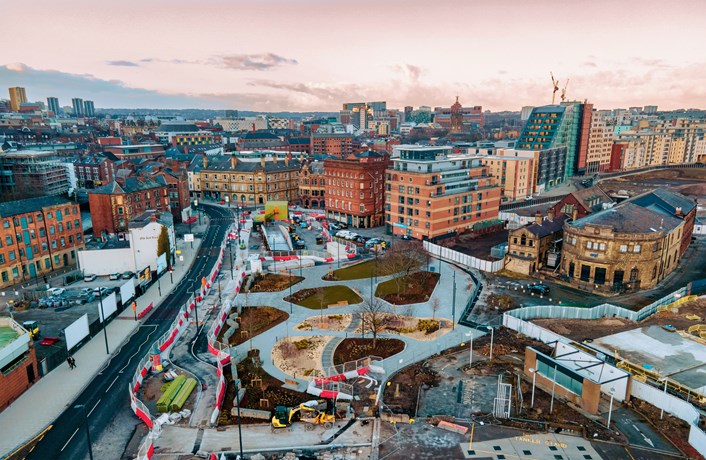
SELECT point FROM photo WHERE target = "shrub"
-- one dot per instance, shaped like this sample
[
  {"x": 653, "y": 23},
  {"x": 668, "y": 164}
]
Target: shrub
[
  {"x": 303, "y": 344},
  {"x": 428, "y": 325}
]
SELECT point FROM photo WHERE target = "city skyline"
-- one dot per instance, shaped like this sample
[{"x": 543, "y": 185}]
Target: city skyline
[{"x": 281, "y": 56}]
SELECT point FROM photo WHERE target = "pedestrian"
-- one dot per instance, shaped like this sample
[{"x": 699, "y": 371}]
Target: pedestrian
[{"x": 73, "y": 362}]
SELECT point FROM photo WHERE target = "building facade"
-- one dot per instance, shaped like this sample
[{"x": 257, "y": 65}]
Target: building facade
[
  {"x": 536, "y": 245},
  {"x": 600, "y": 144},
  {"x": 459, "y": 119},
  {"x": 26, "y": 173},
  {"x": 78, "y": 108},
  {"x": 337, "y": 145},
  {"x": 93, "y": 171},
  {"x": 631, "y": 246},
  {"x": 113, "y": 205},
  {"x": 312, "y": 185},
  {"x": 39, "y": 235},
  {"x": 514, "y": 174},
  {"x": 18, "y": 362},
  {"x": 430, "y": 194},
  {"x": 247, "y": 182},
  {"x": 355, "y": 188},
  {"x": 18, "y": 96},
  {"x": 53, "y": 105},
  {"x": 89, "y": 109}
]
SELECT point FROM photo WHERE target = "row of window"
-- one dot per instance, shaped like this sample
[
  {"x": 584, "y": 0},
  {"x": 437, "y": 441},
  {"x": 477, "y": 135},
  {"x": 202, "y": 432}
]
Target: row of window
[
  {"x": 26, "y": 271},
  {"x": 30, "y": 251},
  {"x": 250, "y": 178},
  {"x": 24, "y": 221}
]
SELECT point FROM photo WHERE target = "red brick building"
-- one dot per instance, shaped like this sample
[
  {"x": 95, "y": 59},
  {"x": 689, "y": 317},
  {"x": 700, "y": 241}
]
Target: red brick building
[
  {"x": 113, "y": 205},
  {"x": 337, "y": 145},
  {"x": 18, "y": 362},
  {"x": 38, "y": 235},
  {"x": 581, "y": 203},
  {"x": 355, "y": 189},
  {"x": 94, "y": 171},
  {"x": 177, "y": 183}
]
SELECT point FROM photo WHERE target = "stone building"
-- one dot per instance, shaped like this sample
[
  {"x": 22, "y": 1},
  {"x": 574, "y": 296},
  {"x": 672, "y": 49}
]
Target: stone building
[
  {"x": 626, "y": 247},
  {"x": 312, "y": 185},
  {"x": 535, "y": 245}
]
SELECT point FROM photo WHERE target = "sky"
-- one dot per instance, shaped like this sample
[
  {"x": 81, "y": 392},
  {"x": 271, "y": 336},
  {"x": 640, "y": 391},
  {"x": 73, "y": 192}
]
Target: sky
[{"x": 314, "y": 55}]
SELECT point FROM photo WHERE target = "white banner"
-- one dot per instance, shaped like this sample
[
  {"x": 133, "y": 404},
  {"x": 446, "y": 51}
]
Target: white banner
[
  {"x": 109, "y": 307},
  {"x": 188, "y": 237},
  {"x": 127, "y": 290},
  {"x": 76, "y": 331}
]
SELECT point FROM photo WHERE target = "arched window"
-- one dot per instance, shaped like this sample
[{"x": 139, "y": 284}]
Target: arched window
[
  {"x": 523, "y": 240},
  {"x": 634, "y": 274}
]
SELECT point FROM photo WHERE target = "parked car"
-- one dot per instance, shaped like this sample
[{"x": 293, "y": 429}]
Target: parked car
[
  {"x": 528, "y": 197},
  {"x": 343, "y": 234},
  {"x": 89, "y": 278},
  {"x": 540, "y": 289},
  {"x": 114, "y": 276},
  {"x": 127, "y": 275},
  {"x": 85, "y": 291},
  {"x": 406, "y": 237},
  {"x": 299, "y": 245},
  {"x": 103, "y": 291},
  {"x": 56, "y": 291}
]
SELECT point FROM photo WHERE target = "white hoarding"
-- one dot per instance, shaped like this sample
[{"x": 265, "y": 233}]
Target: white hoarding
[
  {"x": 127, "y": 290},
  {"x": 161, "y": 263},
  {"x": 109, "y": 307},
  {"x": 76, "y": 331}
]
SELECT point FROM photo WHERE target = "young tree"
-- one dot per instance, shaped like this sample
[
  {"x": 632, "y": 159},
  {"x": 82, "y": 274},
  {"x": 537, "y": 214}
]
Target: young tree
[
  {"x": 163, "y": 245},
  {"x": 435, "y": 306},
  {"x": 373, "y": 314},
  {"x": 402, "y": 259}
]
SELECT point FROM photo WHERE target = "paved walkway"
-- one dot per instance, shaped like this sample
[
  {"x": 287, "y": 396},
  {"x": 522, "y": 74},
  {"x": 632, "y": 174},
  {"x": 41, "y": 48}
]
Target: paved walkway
[{"x": 46, "y": 400}]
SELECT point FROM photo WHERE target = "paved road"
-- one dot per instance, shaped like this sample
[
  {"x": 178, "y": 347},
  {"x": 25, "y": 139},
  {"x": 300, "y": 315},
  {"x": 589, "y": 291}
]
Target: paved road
[
  {"x": 108, "y": 390},
  {"x": 639, "y": 432}
]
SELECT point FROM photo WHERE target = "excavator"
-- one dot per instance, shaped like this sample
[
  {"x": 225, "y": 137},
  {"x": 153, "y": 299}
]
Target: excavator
[{"x": 307, "y": 412}]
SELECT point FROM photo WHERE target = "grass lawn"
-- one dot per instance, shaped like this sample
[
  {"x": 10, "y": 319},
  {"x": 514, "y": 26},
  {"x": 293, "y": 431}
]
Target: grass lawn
[
  {"x": 414, "y": 288},
  {"x": 361, "y": 270},
  {"x": 310, "y": 298}
]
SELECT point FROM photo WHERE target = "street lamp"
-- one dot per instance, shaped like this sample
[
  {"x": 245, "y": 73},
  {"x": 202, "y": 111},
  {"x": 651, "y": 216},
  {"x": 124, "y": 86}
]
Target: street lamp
[
  {"x": 533, "y": 371},
  {"x": 196, "y": 206},
  {"x": 492, "y": 330},
  {"x": 227, "y": 198},
  {"x": 610, "y": 408},
  {"x": 88, "y": 433},
  {"x": 290, "y": 289},
  {"x": 470, "y": 350},
  {"x": 105, "y": 323},
  {"x": 661, "y": 414},
  {"x": 551, "y": 405},
  {"x": 237, "y": 400}
]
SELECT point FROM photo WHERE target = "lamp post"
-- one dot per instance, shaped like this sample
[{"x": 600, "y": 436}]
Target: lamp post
[
  {"x": 227, "y": 198},
  {"x": 196, "y": 312},
  {"x": 610, "y": 408},
  {"x": 230, "y": 250},
  {"x": 159, "y": 285},
  {"x": 551, "y": 405},
  {"x": 88, "y": 433},
  {"x": 661, "y": 414},
  {"x": 453, "y": 303},
  {"x": 533, "y": 371},
  {"x": 237, "y": 400},
  {"x": 196, "y": 206},
  {"x": 470, "y": 350},
  {"x": 105, "y": 332},
  {"x": 492, "y": 330},
  {"x": 290, "y": 290}
]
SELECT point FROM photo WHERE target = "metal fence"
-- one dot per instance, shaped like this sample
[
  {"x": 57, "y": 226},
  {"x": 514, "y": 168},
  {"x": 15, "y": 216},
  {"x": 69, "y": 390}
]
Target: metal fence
[{"x": 463, "y": 259}]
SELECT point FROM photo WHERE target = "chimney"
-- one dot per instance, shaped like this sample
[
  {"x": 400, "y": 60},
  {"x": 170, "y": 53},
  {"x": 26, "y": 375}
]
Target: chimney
[
  {"x": 233, "y": 162},
  {"x": 205, "y": 161},
  {"x": 678, "y": 212},
  {"x": 550, "y": 214},
  {"x": 574, "y": 214},
  {"x": 262, "y": 160},
  {"x": 153, "y": 217},
  {"x": 538, "y": 219},
  {"x": 286, "y": 160}
]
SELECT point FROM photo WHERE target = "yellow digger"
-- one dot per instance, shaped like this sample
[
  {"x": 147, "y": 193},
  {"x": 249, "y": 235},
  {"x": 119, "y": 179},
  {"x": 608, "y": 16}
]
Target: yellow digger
[{"x": 307, "y": 412}]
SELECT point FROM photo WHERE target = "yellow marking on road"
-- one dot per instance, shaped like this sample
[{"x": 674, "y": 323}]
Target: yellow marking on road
[{"x": 34, "y": 440}]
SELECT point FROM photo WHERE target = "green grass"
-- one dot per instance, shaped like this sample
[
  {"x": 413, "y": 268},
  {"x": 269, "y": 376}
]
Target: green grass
[
  {"x": 366, "y": 269},
  {"x": 332, "y": 295}
]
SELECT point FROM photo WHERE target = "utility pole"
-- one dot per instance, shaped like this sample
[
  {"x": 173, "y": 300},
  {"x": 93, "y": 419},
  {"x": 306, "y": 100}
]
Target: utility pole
[{"x": 453, "y": 305}]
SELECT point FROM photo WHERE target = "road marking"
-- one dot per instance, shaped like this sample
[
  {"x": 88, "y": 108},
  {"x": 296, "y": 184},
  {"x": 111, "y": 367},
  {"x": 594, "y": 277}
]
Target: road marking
[
  {"x": 94, "y": 408},
  {"x": 67, "y": 442},
  {"x": 111, "y": 385}
]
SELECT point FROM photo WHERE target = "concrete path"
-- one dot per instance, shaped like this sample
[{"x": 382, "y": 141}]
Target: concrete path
[{"x": 26, "y": 417}]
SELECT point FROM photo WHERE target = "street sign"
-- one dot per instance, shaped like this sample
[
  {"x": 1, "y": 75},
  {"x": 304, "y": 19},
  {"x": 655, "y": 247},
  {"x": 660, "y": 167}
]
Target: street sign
[{"x": 188, "y": 237}]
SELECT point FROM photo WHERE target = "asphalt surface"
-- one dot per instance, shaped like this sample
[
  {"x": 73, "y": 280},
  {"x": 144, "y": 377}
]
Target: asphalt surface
[{"x": 108, "y": 389}]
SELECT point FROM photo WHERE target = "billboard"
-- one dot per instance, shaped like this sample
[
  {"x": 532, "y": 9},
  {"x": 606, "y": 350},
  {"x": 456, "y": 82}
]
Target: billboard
[
  {"x": 277, "y": 210},
  {"x": 110, "y": 306},
  {"x": 127, "y": 290},
  {"x": 76, "y": 331},
  {"x": 145, "y": 275},
  {"x": 161, "y": 263}
]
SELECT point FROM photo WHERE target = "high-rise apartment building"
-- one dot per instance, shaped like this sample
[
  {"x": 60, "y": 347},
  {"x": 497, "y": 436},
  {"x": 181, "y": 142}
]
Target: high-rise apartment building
[
  {"x": 89, "y": 109},
  {"x": 53, "y": 105},
  {"x": 600, "y": 144},
  {"x": 17, "y": 97},
  {"x": 77, "y": 104},
  {"x": 432, "y": 194}
]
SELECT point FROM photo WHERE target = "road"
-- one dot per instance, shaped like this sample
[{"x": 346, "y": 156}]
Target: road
[
  {"x": 639, "y": 432},
  {"x": 108, "y": 389}
]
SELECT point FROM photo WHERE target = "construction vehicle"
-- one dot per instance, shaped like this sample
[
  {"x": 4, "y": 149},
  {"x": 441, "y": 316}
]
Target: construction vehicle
[
  {"x": 33, "y": 329},
  {"x": 307, "y": 412}
]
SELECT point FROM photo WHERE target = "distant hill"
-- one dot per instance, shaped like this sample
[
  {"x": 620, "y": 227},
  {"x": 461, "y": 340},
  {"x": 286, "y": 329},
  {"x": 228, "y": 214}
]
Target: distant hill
[{"x": 191, "y": 114}]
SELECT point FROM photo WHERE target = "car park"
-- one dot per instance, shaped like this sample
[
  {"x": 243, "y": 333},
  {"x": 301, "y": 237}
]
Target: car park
[
  {"x": 89, "y": 278},
  {"x": 114, "y": 276}
]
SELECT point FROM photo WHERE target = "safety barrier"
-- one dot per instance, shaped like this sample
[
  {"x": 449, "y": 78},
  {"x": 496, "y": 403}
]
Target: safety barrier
[
  {"x": 145, "y": 311},
  {"x": 164, "y": 344}
]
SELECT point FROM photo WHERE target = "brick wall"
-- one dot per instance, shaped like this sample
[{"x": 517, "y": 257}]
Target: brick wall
[
  {"x": 13, "y": 384},
  {"x": 101, "y": 213}
]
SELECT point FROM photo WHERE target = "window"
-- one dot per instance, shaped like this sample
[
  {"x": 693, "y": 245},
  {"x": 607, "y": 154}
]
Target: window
[
  {"x": 11, "y": 255},
  {"x": 636, "y": 249},
  {"x": 2, "y": 258},
  {"x": 8, "y": 239},
  {"x": 623, "y": 248},
  {"x": 5, "y": 278},
  {"x": 6, "y": 224}
]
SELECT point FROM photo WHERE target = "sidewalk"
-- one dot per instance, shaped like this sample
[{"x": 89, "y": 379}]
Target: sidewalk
[{"x": 45, "y": 400}]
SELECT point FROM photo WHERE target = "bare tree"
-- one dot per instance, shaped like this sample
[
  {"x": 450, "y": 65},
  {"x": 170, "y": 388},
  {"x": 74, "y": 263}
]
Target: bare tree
[
  {"x": 373, "y": 313},
  {"x": 435, "y": 306},
  {"x": 403, "y": 258}
]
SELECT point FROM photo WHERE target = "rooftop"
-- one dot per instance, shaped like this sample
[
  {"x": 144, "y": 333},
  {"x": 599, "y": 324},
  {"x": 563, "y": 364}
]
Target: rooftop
[
  {"x": 629, "y": 218},
  {"x": 14, "y": 208}
]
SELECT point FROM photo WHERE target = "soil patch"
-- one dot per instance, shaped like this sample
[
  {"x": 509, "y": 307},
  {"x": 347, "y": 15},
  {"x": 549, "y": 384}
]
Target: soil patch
[
  {"x": 272, "y": 282},
  {"x": 262, "y": 391},
  {"x": 416, "y": 287},
  {"x": 353, "y": 349},
  {"x": 300, "y": 356},
  {"x": 335, "y": 323},
  {"x": 254, "y": 321},
  {"x": 422, "y": 329},
  {"x": 401, "y": 394},
  {"x": 322, "y": 297}
]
